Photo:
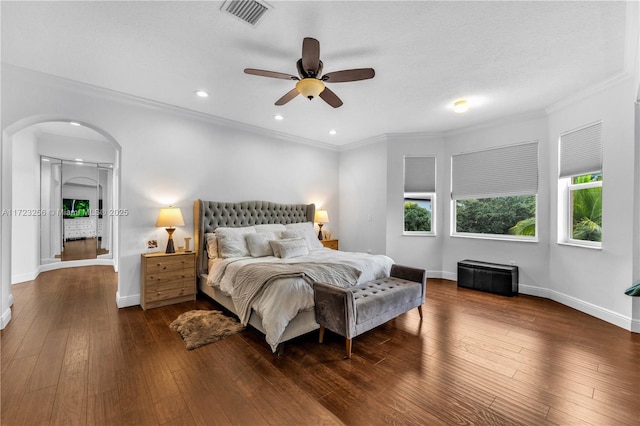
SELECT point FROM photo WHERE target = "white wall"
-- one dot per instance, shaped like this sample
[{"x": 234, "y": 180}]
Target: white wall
[
  {"x": 419, "y": 251},
  {"x": 26, "y": 201},
  {"x": 594, "y": 280},
  {"x": 363, "y": 194},
  {"x": 531, "y": 257},
  {"x": 173, "y": 157}
]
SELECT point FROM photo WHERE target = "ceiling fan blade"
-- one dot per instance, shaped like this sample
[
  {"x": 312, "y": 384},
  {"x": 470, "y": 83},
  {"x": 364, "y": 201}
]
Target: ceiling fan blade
[
  {"x": 272, "y": 74},
  {"x": 311, "y": 56},
  {"x": 287, "y": 97},
  {"x": 349, "y": 75},
  {"x": 331, "y": 98}
]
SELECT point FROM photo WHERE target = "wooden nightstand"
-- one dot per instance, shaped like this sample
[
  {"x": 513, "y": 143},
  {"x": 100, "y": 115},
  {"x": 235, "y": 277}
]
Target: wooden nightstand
[
  {"x": 332, "y": 244},
  {"x": 167, "y": 279}
]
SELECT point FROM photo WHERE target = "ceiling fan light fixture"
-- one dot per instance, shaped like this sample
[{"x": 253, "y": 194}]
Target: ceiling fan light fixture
[
  {"x": 461, "y": 106},
  {"x": 310, "y": 87}
]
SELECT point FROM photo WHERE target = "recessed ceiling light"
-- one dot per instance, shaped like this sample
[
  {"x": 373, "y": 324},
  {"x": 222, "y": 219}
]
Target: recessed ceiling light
[
  {"x": 278, "y": 117},
  {"x": 332, "y": 132},
  {"x": 74, "y": 123},
  {"x": 461, "y": 106},
  {"x": 202, "y": 93},
  {"x": 79, "y": 159}
]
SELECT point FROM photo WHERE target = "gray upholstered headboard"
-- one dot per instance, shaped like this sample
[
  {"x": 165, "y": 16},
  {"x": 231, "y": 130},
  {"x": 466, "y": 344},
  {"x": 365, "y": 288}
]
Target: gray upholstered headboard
[{"x": 208, "y": 215}]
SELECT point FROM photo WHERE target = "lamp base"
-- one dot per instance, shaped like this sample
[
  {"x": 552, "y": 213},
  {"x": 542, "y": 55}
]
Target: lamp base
[
  {"x": 170, "y": 247},
  {"x": 320, "y": 231}
]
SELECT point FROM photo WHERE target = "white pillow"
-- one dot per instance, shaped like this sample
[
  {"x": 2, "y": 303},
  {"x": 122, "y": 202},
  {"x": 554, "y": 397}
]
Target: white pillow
[
  {"x": 275, "y": 228},
  {"x": 258, "y": 243},
  {"x": 292, "y": 247},
  {"x": 212, "y": 245},
  {"x": 309, "y": 233},
  {"x": 272, "y": 227},
  {"x": 231, "y": 241}
]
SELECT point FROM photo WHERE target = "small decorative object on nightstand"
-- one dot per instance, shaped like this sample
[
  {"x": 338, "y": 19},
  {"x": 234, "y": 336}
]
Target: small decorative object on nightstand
[
  {"x": 332, "y": 244},
  {"x": 167, "y": 279}
]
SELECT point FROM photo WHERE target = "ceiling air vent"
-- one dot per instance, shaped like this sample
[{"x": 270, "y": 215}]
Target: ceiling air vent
[{"x": 249, "y": 11}]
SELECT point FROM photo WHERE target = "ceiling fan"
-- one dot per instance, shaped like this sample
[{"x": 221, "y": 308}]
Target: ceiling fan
[{"x": 311, "y": 82}]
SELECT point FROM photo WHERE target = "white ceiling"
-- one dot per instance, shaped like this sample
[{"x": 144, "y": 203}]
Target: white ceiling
[{"x": 507, "y": 57}]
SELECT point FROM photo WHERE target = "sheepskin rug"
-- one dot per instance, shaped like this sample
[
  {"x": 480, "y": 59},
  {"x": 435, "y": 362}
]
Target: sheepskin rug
[{"x": 199, "y": 327}]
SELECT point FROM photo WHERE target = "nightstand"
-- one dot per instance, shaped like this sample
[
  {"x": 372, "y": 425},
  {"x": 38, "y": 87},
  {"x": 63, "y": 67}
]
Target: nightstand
[
  {"x": 167, "y": 278},
  {"x": 332, "y": 244}
]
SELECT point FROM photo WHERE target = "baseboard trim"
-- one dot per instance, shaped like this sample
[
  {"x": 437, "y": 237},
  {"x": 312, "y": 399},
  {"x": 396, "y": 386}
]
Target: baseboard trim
[
  {"x": 607, "y": 315},
  {"x": 20, "y": 278},
  {"x": 6, "y": 317},
  {"x": 127, "y": 301}
]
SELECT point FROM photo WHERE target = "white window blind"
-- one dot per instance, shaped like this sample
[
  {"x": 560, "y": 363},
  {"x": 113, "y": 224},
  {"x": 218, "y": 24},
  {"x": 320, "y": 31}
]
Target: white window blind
[
  {"x": 498, "y": 172},
  {"x": 419, "y": 174},
  {"x": 581, "y": 151}
]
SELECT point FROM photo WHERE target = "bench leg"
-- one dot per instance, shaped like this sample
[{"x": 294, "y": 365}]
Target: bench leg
[
  {"x": 420, "y": 310},
  {"x": 321, "y": 338},
  {"x": 349, "y": 348}
]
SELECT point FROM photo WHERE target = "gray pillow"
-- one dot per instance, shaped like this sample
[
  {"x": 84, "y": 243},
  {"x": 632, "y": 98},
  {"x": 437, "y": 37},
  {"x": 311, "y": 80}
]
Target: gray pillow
[{"x": 232, "y": 243}]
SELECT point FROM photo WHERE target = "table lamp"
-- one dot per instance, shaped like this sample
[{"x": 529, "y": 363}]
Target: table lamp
[
  {"x": 321, "y": 218},
  {"x": 169, "y": 218}
]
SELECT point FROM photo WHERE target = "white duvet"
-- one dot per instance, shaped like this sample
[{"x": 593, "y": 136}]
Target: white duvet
[{"x": 281, "y": 300}]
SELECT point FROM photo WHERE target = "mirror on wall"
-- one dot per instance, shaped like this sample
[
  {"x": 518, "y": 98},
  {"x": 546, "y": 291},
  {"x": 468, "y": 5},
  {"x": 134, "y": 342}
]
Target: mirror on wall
[{"x": 78, "y": 197}]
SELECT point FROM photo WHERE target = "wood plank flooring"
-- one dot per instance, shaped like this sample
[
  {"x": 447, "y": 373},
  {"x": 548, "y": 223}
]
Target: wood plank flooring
[{"x": 70, "y": 356}]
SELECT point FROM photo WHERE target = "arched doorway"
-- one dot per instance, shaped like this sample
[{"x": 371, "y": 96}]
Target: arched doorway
[{"x": 23, "y": 144}]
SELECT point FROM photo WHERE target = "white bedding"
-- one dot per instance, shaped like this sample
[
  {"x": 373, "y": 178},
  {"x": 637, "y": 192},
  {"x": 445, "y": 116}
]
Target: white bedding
[{"x": 281, "y": 301}]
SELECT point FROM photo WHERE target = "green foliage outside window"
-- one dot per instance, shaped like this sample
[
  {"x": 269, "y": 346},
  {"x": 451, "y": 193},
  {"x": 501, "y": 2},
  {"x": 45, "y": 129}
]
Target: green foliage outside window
[
  {"x": 416, "y": 218},
  {"x": 586, "y": 206},
  {"x": 497, "y": 216}
]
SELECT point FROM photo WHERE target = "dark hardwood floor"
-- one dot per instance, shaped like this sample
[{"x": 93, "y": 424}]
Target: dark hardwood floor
[{"x": 70, "y": 356}]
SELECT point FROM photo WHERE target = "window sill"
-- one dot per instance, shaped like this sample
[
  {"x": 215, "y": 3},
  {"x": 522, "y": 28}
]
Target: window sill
[
  {"x": 586, "y": 246},
  {"x": 497, "y": 238},
  {"x": 418, "y": 234}
]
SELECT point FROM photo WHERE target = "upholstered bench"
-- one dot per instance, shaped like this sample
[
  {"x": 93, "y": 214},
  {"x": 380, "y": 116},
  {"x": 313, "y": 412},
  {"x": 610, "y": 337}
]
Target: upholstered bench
[{"x": 351, "y": 311}]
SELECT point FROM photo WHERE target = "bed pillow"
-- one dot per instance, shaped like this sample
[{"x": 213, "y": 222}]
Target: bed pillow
[
  {"x": 308, "y": 232},
  {"x": 212, "y": 245},
  {"x": 232, "y": 243},
  {"x": 291, "y": 247},
  {"x": 258, "y": 243},
  {"x": 276, "y": 228}
]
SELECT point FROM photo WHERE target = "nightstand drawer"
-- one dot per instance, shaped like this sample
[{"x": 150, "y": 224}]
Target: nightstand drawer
[
  {"x": 169, "y": 276},
  {"x": 332, "y": 244},
  {"x": 167, "y": 264},
  {"x": 155, "y": 293}
]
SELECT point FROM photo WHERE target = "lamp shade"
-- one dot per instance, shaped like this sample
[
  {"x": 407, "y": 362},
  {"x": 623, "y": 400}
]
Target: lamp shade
[
  {"x": 170, "y": 217},
  {"x": 321, "y": 216},
  {"x": 310, "y": 87}
]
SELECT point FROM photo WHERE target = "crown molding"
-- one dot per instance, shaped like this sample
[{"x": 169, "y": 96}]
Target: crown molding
[
  {"x": 126, "y": 98},
  {"x": 509, "y": 119}
]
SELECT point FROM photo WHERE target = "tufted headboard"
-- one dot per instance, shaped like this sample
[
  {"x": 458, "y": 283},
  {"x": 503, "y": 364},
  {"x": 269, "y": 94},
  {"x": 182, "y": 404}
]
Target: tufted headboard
[{"x": 208, "y": 215}]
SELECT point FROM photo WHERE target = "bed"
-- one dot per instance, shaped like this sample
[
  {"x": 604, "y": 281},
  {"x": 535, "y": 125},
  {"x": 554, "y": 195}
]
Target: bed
[{"x": 258, "y": 260}]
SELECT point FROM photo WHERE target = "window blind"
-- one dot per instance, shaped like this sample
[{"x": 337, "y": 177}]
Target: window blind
[
  {"x": 419, "y": 174},
  {"x": 581, "y": 151},
  {"x": 497, "y": 172}
]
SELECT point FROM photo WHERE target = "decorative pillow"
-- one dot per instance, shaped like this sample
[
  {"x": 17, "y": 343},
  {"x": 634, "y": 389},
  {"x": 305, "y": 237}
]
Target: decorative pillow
[
  {"x": 310, "y": 235},
  {"x": 232, "y": 243},
  {"x": 258, "y": 243},
  {"x": 291, "y": 247},
  {"x": 212, "y": 245}
]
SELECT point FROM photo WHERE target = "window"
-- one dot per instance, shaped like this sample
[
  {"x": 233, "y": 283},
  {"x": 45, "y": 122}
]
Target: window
[
  {"x": 580, "y": 187},
  {"x": 494, "y": 192},
  {"x": 419, "y": 195}
]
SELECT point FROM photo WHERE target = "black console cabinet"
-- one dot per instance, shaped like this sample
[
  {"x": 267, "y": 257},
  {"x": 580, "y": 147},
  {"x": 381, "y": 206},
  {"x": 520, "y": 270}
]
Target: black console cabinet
[{"x": 489, "y": 277}]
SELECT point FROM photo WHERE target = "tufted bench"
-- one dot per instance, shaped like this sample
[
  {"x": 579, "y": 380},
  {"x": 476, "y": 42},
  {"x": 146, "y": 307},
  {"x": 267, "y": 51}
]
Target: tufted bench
[{"x": 354, "y": 310}]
